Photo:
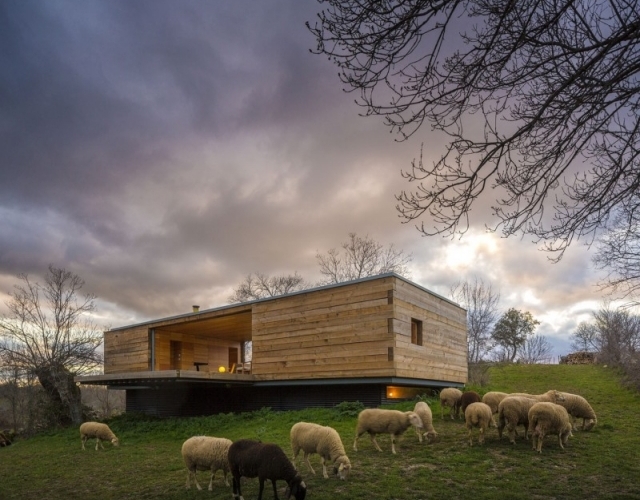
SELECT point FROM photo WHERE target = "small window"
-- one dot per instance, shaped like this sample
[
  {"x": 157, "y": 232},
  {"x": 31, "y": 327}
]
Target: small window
[{"x": 416, "y": 331}]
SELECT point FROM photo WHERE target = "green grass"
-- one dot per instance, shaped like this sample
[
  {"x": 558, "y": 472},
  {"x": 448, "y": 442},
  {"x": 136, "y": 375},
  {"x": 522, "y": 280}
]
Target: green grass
[{"x": 603, "y": 463}]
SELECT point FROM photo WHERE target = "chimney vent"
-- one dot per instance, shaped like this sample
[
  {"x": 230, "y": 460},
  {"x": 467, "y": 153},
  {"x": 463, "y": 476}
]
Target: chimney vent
[{"x": 195, "y": 308}]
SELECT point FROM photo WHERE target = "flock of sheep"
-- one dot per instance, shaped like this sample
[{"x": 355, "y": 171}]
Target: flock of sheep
[{"x": 551, "y": 413}]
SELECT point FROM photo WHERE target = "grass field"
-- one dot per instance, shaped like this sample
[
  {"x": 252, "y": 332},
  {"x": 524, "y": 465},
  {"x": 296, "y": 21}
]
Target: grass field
[{"x": 603, "y": 463}]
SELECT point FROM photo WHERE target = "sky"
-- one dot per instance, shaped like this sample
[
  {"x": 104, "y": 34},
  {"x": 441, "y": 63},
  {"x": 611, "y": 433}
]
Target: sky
[{"x": 164, "y": 150}]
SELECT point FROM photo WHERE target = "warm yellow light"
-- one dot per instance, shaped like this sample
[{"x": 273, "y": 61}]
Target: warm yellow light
[
  {"x": 390, "y": 394},
  {"x": 222, "y": 369}
]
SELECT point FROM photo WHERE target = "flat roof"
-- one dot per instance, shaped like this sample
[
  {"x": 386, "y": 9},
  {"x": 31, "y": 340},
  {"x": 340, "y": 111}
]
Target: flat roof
[{"x": 247, "y": 305}]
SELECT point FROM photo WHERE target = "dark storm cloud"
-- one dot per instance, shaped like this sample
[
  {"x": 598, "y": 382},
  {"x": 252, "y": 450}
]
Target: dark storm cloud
[{"x": 163, "y": 150}]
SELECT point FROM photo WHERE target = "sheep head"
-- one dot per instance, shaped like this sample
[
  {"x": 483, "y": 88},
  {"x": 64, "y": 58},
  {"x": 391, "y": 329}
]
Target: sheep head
[
  {"x": 414, "y": 419},
  {"x": 296, "y": 488},
  {"x": 342, "y": 467}
]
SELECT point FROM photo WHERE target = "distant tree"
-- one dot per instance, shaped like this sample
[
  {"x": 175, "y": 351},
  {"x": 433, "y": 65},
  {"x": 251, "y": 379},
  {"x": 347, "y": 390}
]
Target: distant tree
[
  {"x": 512, "y": 330},
  {"x": 360, "y": 258},
  {"x": 535, "y": 349},
  {"x": 614, "y": 334},
  {"x": 585, "y": 338},
  {"x": 537, "y": 99},
  {"x": 49, "y": 333},
  {"x": 481, "y": 303},
  {"x": 259, "y": 286}
]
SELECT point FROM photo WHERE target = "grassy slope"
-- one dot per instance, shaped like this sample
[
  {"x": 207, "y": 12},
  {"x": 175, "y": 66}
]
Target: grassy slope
[{"x": 602, "y": 463}]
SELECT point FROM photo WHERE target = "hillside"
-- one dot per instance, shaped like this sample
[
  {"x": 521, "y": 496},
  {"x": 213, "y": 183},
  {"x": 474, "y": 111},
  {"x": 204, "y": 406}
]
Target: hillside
[{"x": 602, "y": 463}]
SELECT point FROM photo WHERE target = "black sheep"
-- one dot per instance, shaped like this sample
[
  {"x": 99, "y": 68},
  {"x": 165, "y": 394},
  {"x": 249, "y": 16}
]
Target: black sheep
[
  {"x": 467, "y": 398},
  {"x": 265, "y": 461}
]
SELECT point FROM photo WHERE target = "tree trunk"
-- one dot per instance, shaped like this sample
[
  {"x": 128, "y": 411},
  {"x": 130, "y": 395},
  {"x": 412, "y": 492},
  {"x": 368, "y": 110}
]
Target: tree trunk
[{"x": 58, "y": 383}]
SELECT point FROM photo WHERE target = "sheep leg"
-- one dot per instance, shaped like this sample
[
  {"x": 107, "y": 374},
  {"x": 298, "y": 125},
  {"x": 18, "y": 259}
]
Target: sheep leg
[
  {"x": 481, "y": 437},
  {"x": 213, "y": 473},
  {"x": 375, "y": 443},
  {"x": 195, "y": 479},
  {"x": 306, "y": 459},
  {"x": 84, "y": 440},
  {"x": 235, "y": 481},
  {"x": 98, "y": 442},
  {"x": 470, "y": 437},
  {"x": 418, "y": 433},
  {"x": 540, "y": 440},
  {"x": 393, "y": 444},
  {"x": 324, "y": 469},
  {"x": 512, "y": 435},
  {"x": 226, "y": 481}
]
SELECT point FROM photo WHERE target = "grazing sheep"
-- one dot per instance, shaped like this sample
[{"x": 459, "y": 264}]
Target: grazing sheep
[
  {"x": 467, "y": 398},
  {"x": 377, "y": 421},
  {"x": 450, "y": 397},
  {"x": 99, "y": 431},
  {"x": 493, "y": 399},
  {"x": 250, "y": 458},
  {"x": 206, "y": 453},
  {"x": 548, "y": 418},
  {"x": 551, "y": 396},
  {"x": 424, "y": 412},
  {"x": 478, "y": 415},
  {"x": 325, "y": 441},
  {"x": 578, "y": 407},
  {"x": 512, "y": 412}
]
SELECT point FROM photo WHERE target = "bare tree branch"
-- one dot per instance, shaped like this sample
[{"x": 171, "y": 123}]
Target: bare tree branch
[
  {"x": 259, "y": 286},
  {"x": 539, "y": 100},
  {"x": 481, "y": 303},
  {"x": 49, "y": 333},
  {"x": 360, "y": 258}
]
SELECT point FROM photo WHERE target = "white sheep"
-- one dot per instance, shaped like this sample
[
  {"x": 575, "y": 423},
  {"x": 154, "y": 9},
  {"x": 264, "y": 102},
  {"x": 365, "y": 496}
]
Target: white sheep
[
  {"x": 206, "y": 453},
  {"x": 551, "y": 396},
  {"x": 512, "y": 412},
  {"x": 378, "y": 421},
  {"x": 478, "y": 415},
  {"x": 493, "y": 398},
  {"x": 99, "y": 431},
  {"x": 424, "y": 412},
  {"x": 578, "y": 407},
  {"x": 450, "y": 396},
  {"x": 548, "y": 418},
  {"x": 323, "y": 440}
]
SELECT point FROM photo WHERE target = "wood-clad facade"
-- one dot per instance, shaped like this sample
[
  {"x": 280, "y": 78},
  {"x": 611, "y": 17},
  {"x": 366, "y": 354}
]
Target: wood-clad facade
[{"x": 381, "y": 332}]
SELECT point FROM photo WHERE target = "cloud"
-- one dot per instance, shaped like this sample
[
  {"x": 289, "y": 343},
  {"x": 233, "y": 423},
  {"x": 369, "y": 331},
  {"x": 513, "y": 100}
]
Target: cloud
[{"x": 165, "y": 150}]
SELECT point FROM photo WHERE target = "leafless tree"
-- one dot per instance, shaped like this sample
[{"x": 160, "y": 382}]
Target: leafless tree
[
  {"x": 539, "y": 100},
  {"x": 360, "y": 258},
  {"x": 536, "y": 349},
  {"x": 619, "y": 335},
  {"x": 585, "y": 338},
  {"x": 259, "y": 286},
  {"x": 49, "y": 333},
  {"x": 481, "y": 303},
  {"x": 619, "y": 254}
]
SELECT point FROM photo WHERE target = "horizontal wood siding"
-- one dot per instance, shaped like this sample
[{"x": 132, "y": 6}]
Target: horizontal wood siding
[
  {"x": 339, "y": 332},
  {"x": 443, "y": 353},
  {"x": 126, "y": 350}
]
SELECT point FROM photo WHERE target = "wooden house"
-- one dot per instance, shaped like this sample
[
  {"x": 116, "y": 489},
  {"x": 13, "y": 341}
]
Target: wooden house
[{"x": 372, "y": 340}]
